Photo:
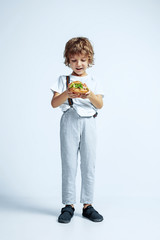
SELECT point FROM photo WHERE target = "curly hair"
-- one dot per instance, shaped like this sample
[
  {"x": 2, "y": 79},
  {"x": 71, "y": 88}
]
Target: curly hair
[{"x": 79, "y": 45}]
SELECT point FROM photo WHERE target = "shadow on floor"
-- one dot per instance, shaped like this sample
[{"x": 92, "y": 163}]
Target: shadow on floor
[{"x": 26, "y": 205}]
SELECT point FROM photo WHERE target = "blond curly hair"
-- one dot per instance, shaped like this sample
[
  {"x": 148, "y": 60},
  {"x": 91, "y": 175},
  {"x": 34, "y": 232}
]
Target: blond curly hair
[{"x": 79, "y": 45}]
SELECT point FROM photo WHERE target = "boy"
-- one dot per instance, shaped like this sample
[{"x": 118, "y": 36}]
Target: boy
[{"x": 78, "y": 129}]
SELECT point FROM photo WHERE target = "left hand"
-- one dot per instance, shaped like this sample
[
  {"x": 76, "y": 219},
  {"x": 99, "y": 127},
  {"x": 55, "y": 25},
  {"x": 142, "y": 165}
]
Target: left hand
[{"x": 86, "y": 95}]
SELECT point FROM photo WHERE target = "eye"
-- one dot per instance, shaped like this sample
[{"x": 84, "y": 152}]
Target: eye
[
  {"x": 83, "y": 60},
  {"x": 72, "y": 60}
]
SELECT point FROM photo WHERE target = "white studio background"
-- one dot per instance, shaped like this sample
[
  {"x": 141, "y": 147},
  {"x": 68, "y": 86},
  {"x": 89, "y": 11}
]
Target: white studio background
[{"x": 126, "y": 40}]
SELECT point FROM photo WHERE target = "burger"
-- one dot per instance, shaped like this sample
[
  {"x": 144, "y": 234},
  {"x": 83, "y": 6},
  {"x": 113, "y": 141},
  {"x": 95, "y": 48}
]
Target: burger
[{"x": 78, "y": 87}]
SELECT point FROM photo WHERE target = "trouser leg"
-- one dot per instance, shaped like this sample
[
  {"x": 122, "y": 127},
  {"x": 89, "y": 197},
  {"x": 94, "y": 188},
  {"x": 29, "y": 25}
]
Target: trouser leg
[
  {"x": 88, "y": 158},
  {"x": 69, "y": 142}
]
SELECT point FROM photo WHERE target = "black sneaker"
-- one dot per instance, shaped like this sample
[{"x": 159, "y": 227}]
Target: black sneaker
[
  {"x": 90, "y": 213},
  {"x": 66, "y": 214}
]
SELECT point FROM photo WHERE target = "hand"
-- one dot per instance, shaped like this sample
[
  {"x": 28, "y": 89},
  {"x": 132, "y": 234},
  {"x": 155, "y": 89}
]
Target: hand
[
  {"x": 78, "y": 95},
  {"x": 86, "y": 95},
  {"x": 73, "y": 95}
]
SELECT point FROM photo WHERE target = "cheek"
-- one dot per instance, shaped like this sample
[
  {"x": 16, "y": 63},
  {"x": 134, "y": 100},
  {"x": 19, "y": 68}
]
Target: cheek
[
  {"x": 71, "y": 64},
  {"x": 86, "y": 65}
]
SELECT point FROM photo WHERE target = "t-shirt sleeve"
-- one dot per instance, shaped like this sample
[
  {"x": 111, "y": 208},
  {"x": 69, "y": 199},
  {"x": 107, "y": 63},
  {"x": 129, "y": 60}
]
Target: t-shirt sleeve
[
  {"x": 57, "y": 85},
  {"x": 99, "y": 89}
]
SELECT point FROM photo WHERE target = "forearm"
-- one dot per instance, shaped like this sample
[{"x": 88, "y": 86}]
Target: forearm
[
  {"x": 60, "y": 99},
  {"x": 96, "y": 100}
]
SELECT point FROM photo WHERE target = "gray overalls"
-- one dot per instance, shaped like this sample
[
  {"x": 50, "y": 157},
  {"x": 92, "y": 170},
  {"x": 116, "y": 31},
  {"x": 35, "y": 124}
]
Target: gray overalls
[{"x": 77, "y": 134}]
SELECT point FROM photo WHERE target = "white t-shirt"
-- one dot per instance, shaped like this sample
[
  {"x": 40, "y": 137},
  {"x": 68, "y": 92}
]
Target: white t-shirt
[{"x": 83, "y": 106}]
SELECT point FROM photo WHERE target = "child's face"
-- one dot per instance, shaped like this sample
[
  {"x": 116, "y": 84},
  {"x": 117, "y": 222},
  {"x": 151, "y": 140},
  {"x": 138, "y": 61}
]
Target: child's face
[{"x": 79, "y": 64}]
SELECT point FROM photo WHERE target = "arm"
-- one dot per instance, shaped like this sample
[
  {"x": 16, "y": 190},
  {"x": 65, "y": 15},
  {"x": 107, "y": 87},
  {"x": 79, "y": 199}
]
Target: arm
[
  {"x": 59, "y": 99},
  {"x": 96, "y": 100}
]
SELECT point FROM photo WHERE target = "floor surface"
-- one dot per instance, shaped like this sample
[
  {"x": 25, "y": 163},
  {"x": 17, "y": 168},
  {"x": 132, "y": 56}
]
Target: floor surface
[{"x": 125, "y": 218}]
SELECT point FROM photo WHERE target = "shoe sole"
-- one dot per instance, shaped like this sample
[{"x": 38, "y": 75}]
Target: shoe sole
[
  {"x": 63, "y": 221},
  {"x": 94, "y": 220}
]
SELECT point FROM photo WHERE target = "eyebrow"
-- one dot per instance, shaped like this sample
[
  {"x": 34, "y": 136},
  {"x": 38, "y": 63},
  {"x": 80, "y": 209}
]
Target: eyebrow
[{"x": 75, "y": 58}]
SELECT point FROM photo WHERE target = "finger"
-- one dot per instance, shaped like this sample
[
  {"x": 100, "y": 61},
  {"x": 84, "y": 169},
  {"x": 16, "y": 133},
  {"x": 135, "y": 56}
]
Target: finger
[
  {"x": 87, "y": 93},
  {"x": 74, "y": 95},
  {"x": 83, "y": 96}
]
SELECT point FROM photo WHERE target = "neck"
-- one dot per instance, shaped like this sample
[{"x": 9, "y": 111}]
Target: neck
[{"x": 75, "y": 74}]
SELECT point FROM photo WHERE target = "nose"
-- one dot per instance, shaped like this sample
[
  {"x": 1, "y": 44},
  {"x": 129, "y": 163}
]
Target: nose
[{"x": 78, "y": 62}]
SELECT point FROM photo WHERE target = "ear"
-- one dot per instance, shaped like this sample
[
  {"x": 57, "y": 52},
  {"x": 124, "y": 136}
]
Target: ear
[{"x": 89, "y": 62}]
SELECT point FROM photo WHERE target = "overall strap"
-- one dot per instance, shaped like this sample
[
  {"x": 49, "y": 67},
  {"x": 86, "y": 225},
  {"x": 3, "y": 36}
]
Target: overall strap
[{"x": 70, "y": 101}]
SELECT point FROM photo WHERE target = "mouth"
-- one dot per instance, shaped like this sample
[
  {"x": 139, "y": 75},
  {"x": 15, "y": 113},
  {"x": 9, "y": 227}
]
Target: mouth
[{"x": 78, "y": 69}]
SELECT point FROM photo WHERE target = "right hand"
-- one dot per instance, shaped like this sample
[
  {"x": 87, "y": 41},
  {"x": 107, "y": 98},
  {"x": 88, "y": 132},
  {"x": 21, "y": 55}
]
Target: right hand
[{"x": 73, "y": 95}]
